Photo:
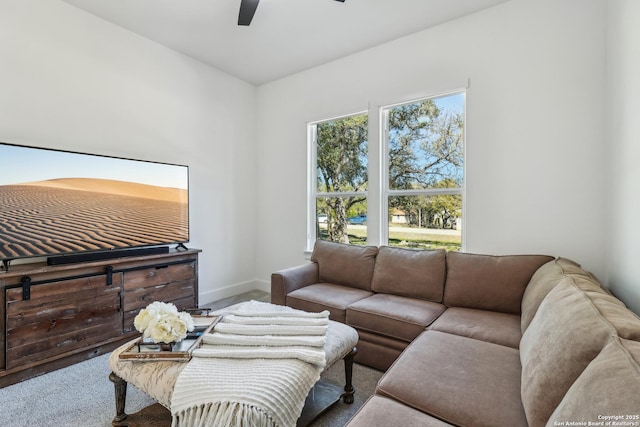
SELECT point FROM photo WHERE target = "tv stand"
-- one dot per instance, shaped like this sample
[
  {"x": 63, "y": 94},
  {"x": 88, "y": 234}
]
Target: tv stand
[
  {"x": 53, "y": 316},
  {"x": 181, "y": 247}
]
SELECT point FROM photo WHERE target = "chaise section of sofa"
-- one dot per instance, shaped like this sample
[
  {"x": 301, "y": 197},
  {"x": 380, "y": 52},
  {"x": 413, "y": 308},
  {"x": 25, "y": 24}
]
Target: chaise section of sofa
[{"x": 459, "y": 380}]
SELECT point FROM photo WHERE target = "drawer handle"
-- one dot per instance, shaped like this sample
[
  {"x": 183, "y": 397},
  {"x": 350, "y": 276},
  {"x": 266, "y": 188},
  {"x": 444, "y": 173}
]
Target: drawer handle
[
  {"x": 26, "y": 288},
  {"x": 109, "y": 275}
]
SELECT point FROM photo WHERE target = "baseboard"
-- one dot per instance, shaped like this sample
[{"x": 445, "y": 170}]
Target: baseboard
[{"x": 233, "y": 290}]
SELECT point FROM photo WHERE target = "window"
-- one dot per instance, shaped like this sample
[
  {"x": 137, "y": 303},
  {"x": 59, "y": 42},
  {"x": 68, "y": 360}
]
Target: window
[
  {"x": 340, "y": 185},
  {"x": 413, "y": 195},
  {"x": 424, "y": 164}
]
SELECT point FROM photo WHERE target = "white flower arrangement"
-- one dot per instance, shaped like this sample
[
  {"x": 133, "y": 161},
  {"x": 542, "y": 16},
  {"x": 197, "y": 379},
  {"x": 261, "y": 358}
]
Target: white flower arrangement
[{"x": 162, "y": 323}]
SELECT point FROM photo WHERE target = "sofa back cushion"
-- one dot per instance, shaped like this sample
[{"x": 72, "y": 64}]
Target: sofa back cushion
[
  {"x": 573, "y": 324},
  {"x": 347, "y": 265},
  {"x": 610, "y": 385},
  {"x": 543, "y": 280},
  {"x": 410, "y": 273},
  {"x": 489, "y": 282}
]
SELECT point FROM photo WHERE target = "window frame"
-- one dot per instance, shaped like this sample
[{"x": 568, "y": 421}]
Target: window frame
[
  {"x": 312, "y": 178},
  {"x": 378, "y": 191},
  {"x": 386, "y": 192}
]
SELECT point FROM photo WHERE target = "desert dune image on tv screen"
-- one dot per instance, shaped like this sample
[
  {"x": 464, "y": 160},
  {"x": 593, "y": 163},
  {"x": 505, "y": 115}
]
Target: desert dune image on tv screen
[{"x": 75, "y": 214}]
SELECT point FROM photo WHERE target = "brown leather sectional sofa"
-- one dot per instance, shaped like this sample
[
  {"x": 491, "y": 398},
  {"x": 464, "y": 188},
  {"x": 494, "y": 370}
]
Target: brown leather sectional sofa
[{"x": 476, "y": 340}]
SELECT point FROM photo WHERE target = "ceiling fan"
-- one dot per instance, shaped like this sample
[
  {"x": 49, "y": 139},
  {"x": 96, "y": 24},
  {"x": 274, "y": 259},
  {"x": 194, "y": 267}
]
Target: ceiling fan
[{"x": 248, "y": 9}]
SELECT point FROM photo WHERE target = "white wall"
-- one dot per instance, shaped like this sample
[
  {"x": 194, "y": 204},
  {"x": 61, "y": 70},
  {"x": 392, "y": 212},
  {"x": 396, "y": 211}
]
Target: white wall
[
  {"x": 536, "y": 178},
  {"x": 72, "y": 81},
  {"x": 623, "y": 148},
  {"x": 534, "y": 158}
]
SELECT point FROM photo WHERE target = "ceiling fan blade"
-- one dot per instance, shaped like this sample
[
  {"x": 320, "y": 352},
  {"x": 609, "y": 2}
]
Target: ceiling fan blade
[{"x": 247, "y": 10}]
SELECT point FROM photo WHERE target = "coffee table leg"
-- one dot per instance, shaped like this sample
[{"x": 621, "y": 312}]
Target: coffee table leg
[
  {"x": 347, "y": 396},
  {"x": 120, "y": 386}
]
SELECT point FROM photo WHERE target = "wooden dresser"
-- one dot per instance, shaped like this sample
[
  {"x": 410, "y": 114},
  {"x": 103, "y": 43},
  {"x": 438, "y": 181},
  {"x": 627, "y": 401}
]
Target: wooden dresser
[{"x": 54, "y": 316}]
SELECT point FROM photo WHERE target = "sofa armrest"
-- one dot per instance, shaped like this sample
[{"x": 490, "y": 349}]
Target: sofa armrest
[{"x": 290, "y": 279}]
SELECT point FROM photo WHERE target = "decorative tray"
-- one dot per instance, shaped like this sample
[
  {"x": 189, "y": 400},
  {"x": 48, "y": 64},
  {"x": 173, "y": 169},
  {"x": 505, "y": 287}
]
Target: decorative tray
[{"x": 180, "y": 352}]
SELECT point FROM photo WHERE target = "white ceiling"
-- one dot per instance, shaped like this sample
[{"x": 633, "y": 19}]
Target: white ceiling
[{"x": 285, "y": 37}]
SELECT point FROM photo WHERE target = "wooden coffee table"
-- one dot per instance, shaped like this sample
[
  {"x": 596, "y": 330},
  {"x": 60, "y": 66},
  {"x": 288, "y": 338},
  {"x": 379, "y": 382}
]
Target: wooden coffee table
[{"x": 157, "y": 379}]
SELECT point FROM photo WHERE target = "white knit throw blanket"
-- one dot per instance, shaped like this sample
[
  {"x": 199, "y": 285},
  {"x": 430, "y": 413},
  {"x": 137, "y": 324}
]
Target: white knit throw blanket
[{"x": 255, "y": 369}]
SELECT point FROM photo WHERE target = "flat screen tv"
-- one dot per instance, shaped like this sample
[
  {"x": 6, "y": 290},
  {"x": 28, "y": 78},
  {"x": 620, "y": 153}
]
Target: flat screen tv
[{"x": 58, "y": 203}]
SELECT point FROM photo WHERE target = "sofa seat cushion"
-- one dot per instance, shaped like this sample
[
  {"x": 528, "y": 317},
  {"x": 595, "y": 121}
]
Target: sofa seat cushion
[
  {"x": 610, "y": 385},
  {"x": 460, "y": 380},
  {"x": 490, "y": 326},
  {"x": 394, "y": 316},
  {"x": 410, "y": 273},
  {"x": 573, "y": 324},
  {"x": 487, "y": 282},
  {"x": 380, "y": 411},
  {"x": 326, "y": 296},
  {"x": 348, "y": 265}
]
